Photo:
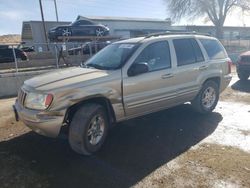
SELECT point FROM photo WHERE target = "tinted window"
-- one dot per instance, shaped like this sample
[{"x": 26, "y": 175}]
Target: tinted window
[
  {"x": 81, "y": 22},
  {"x": 197, "y": 50},
  {"x": 187, "y": 51},
  {"x": 213, "y": 48},
  {"x": 84, "y": 22},
  {"x": 156, "y": 55}
]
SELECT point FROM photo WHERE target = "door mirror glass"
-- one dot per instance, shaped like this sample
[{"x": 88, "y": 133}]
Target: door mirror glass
[{"x": 138, "y": 68}]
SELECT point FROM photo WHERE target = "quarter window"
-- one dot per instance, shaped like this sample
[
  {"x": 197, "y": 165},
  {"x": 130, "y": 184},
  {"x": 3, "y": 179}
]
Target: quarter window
[
  {"x": 213, "y": 48},
  {"x": 156, "y": 55},
  {"x": 187, "y": 51}
]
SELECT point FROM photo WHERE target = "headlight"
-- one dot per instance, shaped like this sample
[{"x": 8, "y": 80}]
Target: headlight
[{"x": 38, "y": 101}]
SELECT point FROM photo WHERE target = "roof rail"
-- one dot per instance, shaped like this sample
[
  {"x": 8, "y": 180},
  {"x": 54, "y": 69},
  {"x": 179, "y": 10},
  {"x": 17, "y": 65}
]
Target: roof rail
[{"x": 175, "y": 33}]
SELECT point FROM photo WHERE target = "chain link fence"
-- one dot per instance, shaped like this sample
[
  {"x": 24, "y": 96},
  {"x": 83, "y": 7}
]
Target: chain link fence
[
  {"x": 66, "y": 54},
  {"x": 37, "y": 57}
]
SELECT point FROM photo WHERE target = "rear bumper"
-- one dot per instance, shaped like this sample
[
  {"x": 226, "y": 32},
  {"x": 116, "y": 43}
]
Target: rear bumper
[
  {"x": 41, "y": 123},
  {"x": 225, "y": 81}
]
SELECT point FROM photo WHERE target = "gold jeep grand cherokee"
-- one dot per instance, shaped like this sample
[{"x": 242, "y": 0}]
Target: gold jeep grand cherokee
[{"x": 126, "y": 79}]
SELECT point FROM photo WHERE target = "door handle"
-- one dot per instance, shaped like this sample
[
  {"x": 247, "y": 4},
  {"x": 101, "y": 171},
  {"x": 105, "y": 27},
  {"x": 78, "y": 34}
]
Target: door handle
[
  {"x": 165, "y": 76},
  {"x": 203, "y": 67}
]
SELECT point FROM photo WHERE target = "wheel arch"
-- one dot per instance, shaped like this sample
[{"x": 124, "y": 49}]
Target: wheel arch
[
  {"x": 101, "y": 100},
  {"x": 215, "y": 79}
]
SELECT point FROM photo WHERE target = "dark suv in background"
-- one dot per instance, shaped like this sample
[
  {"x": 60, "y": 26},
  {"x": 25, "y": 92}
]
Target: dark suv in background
[
  {"x": 243, "y": 66},
  {"x": 78, "y": 28},
  {"x": 6, "y": 54}
]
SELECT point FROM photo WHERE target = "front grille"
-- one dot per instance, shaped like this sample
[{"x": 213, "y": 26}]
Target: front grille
[{"x": 21, "y": 96}]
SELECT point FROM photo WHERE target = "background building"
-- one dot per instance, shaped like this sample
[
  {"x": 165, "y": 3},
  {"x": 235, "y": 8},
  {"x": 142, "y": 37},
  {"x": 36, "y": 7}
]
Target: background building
[
  {"x": 32, "y": 31},
  {"x": 229, "y": 32}
]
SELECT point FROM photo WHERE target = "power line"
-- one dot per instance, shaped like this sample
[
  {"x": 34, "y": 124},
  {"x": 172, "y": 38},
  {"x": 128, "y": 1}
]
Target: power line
[
  {"x": 56, "y": 10},
  {"x": 44, "y": 27}
]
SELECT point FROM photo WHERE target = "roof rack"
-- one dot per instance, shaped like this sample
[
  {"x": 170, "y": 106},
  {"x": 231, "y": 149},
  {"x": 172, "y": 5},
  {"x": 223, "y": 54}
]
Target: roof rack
[{"x": 176, "y": 33}]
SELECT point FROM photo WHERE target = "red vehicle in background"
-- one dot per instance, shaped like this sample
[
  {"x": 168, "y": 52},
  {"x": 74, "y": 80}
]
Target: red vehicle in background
[{"x": 243, "y": 66}]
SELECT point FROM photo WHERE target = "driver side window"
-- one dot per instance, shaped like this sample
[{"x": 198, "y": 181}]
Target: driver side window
[{"x": 156, "y": 56}]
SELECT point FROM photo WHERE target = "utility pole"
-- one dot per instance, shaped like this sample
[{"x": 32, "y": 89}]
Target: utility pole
[
  {"x": 56, "y": 10},
  {"x": 44, "y": 28}
]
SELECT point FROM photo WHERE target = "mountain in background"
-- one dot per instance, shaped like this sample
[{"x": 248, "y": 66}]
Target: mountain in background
[{"x": 13, "y": 38}]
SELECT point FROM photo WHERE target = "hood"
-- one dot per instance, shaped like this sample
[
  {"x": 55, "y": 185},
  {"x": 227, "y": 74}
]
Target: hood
[{"x": 65, "y": 77}]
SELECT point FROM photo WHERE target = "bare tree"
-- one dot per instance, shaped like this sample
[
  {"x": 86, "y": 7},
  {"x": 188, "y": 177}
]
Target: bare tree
[{"x": 214, "y": 10}]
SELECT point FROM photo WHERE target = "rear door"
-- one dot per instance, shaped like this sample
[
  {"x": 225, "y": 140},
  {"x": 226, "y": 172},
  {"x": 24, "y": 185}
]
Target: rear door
[
  {"x": 153, "y": 90},
  {"x": 216, "y": 55},
  {"x": 190, "y": 63}
]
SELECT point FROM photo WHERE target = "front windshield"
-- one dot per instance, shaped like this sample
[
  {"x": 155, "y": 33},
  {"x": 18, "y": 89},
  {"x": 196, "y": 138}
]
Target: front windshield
[{"x": 112, "y": 57}]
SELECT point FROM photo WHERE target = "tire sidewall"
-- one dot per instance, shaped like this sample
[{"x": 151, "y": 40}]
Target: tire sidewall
[
  {"x": 93, "y": 148},
  {"x": 79, "y": 127},
  {"x": 205, "y": 86}
]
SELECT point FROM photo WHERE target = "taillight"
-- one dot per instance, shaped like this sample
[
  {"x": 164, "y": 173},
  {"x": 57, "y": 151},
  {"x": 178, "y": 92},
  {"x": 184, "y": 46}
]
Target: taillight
[{"x": 229, "y": 63}]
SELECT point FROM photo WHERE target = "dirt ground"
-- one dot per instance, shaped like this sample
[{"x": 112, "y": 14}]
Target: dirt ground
[{"x": 173, "y": 148}]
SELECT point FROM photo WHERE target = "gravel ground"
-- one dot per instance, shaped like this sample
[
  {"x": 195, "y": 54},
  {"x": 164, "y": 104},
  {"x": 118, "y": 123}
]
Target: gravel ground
[{"x": 173, "y": 148}]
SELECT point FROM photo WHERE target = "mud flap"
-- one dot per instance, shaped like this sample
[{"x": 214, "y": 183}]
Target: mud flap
[{"x": 15, "y": 112}]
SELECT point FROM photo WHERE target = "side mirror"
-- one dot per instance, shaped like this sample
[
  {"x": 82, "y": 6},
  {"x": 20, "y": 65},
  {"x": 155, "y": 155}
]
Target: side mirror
[{"x": 138, "y": 68}]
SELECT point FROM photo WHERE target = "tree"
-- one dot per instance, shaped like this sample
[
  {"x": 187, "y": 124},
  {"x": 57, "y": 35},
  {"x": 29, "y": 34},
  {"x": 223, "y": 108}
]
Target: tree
[{"x": 214, "y": 10}]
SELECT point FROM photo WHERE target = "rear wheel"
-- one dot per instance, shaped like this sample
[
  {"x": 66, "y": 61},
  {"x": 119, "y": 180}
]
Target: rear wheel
[
  {"x": 243, "y": 75},
  {"x": 207, "y": 99},
  {"x": 88, "y": 129}
]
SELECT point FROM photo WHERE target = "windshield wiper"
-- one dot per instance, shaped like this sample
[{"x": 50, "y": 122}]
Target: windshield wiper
[{"x": 96, "y": 66}]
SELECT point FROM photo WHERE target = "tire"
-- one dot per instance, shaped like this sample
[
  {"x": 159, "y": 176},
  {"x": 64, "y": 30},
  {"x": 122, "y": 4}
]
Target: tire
[
  {"x": 99, "y": 32},
  {"x": 207, "y": 99},
  {"x": 242, "y": 75},
  {"x": 66, "y": 32},
  {"x": 82, "y": 124}
]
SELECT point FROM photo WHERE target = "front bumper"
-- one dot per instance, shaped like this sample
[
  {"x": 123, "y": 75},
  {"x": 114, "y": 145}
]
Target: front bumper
[{"x": 40, "y": 122}]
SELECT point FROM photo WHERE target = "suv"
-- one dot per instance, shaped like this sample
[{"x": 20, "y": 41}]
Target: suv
[
  {"x": 243, "y": 66},
  {"x": 126, "y": 79},
  {"x": 7, "y": 55}
]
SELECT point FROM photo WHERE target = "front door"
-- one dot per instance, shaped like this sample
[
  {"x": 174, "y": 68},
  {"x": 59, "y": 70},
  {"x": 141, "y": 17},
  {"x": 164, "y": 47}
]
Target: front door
[{"x": 153, "y": 90}]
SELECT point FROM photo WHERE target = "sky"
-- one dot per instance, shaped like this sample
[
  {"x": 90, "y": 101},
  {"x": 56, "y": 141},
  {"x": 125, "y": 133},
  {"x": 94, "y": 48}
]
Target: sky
[{"x": 14, "y": 12}]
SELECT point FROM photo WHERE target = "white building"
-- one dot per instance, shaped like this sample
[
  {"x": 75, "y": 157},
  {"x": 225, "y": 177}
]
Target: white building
[{"x": 32, "y": 31}]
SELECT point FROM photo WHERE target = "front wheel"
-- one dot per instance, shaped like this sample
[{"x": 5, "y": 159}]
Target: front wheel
[
  {"x": 88, "y": 129},
  {"x": 99, "y": 32},
  {"x": 207, "y": 99}
]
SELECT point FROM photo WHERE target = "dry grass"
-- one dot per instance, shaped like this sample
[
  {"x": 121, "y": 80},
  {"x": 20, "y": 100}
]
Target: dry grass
[{"x": 5, "y": 39}]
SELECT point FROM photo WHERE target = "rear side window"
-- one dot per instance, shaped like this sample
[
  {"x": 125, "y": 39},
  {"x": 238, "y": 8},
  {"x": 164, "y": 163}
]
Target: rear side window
[
  {"x": 187, "y": 51},
  {"x": 213, "y": 48}
]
